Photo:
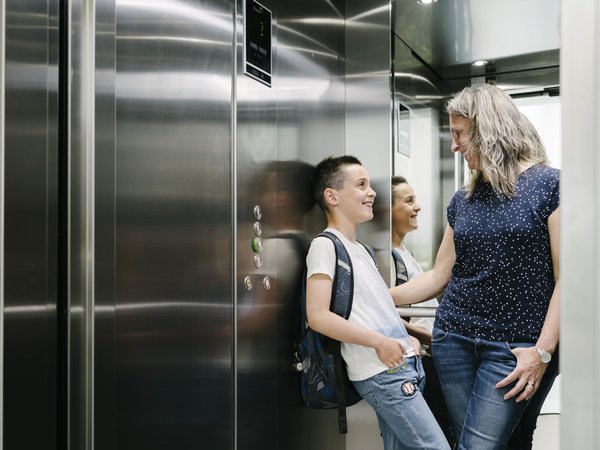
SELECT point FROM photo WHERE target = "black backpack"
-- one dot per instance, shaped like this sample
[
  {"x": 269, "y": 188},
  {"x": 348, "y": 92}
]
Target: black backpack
[{"x": 323, "y": 378}]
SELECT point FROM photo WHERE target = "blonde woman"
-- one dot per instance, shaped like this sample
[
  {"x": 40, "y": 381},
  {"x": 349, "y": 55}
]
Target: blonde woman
[{"x": 498, "y": 323}]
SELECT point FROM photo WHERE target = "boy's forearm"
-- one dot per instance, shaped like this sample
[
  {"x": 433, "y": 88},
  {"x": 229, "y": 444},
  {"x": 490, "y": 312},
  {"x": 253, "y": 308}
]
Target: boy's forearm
[{"x": 331, "y": 325}]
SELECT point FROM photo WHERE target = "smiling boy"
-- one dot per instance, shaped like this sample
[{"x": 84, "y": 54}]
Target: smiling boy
[{"x": 380, "y": 358}]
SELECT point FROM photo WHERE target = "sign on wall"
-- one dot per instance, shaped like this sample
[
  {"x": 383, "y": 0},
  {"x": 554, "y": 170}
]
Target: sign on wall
[{"x": 257, "y": 42}]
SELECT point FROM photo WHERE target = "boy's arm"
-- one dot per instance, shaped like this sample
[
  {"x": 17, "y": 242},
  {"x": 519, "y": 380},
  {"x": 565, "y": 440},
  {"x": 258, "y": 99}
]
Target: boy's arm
[
  {"x": 431, "y": 283},
  {"x": 322, "y": 320}
]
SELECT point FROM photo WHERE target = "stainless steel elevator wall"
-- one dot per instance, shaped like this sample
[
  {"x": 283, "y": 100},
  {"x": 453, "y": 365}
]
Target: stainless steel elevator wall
[
  {"x": 173, "y": 225},
  {"x": 30, "y": 182}
]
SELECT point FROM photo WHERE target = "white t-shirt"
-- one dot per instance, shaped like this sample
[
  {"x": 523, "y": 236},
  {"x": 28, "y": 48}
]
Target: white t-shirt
[
  {"x": 413, "y": 270},
  {"x": 372, "y": 305}
]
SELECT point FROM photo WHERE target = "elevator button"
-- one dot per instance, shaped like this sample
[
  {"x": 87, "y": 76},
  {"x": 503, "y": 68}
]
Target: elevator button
[
  {"x": 257, "y": 212},
  {"x": 248, "y": 283},
  {"x": 257, "y": 244},
  {"x": 267, "y": 283},
  {"x": 257, "y": 261},
  {"x": 257, "y": 228}
]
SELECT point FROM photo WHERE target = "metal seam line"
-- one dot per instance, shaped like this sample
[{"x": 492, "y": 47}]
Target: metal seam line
[
  {"x": 88, "y": 59},
  {"x": 2, "y": 178},
  {"x": 234, "y": 273}
]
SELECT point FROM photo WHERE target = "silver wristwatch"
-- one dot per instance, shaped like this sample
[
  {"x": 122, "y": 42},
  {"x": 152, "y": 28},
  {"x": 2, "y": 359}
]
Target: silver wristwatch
[{"x": 545, "y": 357}]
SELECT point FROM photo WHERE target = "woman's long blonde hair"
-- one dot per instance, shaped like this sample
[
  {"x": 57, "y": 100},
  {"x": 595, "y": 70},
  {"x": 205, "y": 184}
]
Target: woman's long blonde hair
[{"x": 501, "y": 138}]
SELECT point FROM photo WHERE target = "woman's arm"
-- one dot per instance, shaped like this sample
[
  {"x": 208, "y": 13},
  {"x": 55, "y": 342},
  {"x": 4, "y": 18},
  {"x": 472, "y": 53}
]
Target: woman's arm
[
  {"x": 322, "y": 320},
  {"x": 431, "y": 283},
  {"x": 530, "y": 369}
]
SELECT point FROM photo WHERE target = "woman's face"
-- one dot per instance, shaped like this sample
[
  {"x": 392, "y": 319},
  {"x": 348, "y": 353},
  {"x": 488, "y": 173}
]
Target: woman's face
[
  {"x": 460, "y": 128},
  {"x": 405, "y": 209}
]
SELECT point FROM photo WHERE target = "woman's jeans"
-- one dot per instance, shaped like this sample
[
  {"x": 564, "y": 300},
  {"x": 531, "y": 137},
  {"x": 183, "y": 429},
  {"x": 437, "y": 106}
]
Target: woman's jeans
[
  {"x": 404, "y": 418},
  {"x": 469, "y": 369}
]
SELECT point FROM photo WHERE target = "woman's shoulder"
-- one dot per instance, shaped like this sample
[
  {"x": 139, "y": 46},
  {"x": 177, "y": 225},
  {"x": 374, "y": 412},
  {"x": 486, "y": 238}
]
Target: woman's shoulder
[
  {"x": 546, "y": 172},
  {"x": 541, "y": 177}
]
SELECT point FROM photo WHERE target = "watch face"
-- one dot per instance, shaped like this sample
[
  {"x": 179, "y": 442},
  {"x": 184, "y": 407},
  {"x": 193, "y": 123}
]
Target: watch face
[{"x": 545, "y": 357}]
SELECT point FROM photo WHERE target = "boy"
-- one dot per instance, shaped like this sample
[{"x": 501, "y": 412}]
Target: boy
[{"x": 379, "y": 356}]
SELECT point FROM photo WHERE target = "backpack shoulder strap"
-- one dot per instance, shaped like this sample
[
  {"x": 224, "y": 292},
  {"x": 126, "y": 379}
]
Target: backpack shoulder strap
[
  {"x": 342, "y": 290},
  {"x": 341, "y": 303},
  {"x": 370, "y": 250},
  {"x": 401, "y": 272}
]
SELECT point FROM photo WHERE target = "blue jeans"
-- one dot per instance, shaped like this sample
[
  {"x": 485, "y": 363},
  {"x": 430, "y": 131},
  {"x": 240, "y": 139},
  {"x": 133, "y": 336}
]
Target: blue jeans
[
  {"x": 404, "y": 419},
  {"x": 469, "y": 369}
]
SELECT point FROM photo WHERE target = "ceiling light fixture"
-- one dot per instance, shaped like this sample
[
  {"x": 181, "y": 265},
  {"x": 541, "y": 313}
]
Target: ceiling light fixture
[{"x": 480, "y": 63}]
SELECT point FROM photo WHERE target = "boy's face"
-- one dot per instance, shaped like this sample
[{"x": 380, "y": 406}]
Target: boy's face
[
  {"x": 355, "y": 198},
  {"x": 405, "y": 209}
]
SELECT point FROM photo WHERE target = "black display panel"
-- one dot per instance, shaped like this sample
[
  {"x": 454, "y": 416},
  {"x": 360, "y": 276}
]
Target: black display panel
[{"x": 257, "y": 42}]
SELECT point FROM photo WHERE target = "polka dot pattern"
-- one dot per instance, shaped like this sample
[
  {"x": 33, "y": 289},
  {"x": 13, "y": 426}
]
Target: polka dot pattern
[{"x": 503, "y": 276}]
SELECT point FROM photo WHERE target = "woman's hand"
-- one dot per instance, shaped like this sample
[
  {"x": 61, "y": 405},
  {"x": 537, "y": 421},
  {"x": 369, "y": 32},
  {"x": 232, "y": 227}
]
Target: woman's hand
[
  {"x": 416, "y": 344},
  {"x": 528, "y": 374}
]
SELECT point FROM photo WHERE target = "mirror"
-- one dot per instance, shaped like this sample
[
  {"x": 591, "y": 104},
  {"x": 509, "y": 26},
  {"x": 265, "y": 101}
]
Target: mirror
[{"x": 437, "y": 50}]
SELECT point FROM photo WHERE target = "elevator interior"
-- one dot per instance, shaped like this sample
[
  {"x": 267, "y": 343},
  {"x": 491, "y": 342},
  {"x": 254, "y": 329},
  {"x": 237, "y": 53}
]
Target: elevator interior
[{"x": 134, "y": 312}]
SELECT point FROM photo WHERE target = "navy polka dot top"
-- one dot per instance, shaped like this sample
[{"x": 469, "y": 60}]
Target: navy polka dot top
[{"x": 503, "y": 277}]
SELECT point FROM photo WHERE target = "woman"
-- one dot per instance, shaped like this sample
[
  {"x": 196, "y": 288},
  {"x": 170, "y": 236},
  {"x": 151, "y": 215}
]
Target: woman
[{"x": 498, "y": 323}]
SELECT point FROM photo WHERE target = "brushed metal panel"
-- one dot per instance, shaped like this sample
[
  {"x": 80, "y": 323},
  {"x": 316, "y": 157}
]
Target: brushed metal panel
[
  {"x": 256, "y": 312},
  {"x": 82, "y": 256},
  {"x": 30, "y": 182},
  {"x": 173, "y": 285},
  {"x": 450, "y": 35},
  {"x": 105, "y": 348},
  {"x": 369, "y": 112}
]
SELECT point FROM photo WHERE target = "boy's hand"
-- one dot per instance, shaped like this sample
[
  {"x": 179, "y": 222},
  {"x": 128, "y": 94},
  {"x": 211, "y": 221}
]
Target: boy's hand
[{"x": 390, "y": 352}]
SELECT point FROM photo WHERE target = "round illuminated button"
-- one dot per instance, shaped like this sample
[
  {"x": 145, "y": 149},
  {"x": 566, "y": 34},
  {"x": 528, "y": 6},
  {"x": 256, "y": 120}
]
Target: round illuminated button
[{"x": 257, "y": 245}]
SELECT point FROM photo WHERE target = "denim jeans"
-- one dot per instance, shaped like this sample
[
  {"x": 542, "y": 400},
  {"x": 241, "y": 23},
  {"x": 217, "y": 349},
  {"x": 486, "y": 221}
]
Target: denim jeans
[
  {"x": 469, "y": 369},
  {"x": 404, "y": 418}
]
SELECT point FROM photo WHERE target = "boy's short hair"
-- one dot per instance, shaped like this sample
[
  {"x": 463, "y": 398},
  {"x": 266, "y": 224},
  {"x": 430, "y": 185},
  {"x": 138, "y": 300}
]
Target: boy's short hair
[
  {"x": 329, "y": 174},
  {"x": 396, "y": 181}
]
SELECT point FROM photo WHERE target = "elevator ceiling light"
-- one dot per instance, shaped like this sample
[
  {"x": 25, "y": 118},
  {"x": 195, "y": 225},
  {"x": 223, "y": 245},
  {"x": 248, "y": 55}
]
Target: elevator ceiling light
[
  {"x": 426, "y": 2},
  {"x": 480, "y": 63}
]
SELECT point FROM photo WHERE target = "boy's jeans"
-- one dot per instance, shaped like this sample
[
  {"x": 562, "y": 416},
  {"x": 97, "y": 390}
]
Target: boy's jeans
[
  {"x": 404, "y": 418},
  {"x": 469, "y": 369}
]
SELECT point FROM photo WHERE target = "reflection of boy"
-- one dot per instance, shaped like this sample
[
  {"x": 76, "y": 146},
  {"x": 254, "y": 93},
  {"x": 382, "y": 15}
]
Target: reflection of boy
[
  {"x": 376, "y": 348},
  {"x": 405, "y": 211}
]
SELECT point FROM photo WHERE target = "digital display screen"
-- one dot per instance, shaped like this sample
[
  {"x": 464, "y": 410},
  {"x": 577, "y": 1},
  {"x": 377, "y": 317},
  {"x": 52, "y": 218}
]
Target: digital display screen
[{"x": 257, "y": 45}]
